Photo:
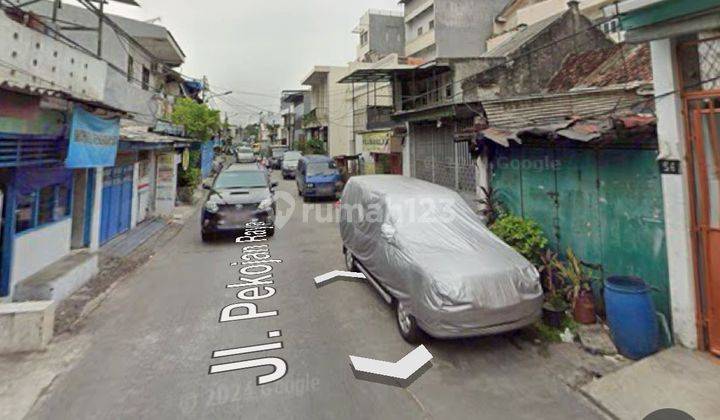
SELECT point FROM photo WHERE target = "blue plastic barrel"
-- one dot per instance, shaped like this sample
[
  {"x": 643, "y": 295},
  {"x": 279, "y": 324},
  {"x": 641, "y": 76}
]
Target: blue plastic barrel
[{"x": 631, "y": 316}]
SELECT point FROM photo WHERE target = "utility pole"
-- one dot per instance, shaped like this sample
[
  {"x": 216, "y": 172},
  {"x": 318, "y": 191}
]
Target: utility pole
[
  {"x": 205, "y": 88},
  {"x": 100, "y": 28},
  {"x": 56, "y": 6}
]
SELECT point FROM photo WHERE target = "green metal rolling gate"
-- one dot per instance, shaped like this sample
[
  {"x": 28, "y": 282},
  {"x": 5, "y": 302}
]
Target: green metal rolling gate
[{"x": 606, "y": 204}]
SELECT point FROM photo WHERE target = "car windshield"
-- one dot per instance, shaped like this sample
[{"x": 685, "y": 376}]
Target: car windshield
[
  {"x": 240, "y": 179},
  {"x": 321, "y": 168},
  {"x": 245, "y": 150},
  {"x": 292, "y": 156},
  {"x": 278, "y": 152}
]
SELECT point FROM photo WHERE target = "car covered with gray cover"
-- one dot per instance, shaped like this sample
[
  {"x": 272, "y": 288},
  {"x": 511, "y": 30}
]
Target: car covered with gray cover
[{"x": 426, "y": 251}]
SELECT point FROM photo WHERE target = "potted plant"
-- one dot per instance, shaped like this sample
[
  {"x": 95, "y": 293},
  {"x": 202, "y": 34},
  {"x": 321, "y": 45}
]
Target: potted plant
[
  {"x": 579, "y": 291},
  {"x": 555, "y": 305},
  {"x": 188, "y": 182},
  {"x": 491, "y": 206}
]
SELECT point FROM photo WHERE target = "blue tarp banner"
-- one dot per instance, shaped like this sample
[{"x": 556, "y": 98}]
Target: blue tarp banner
[
  {"x": 206, "y": 158},
  {"x": 93, "y": 140}
]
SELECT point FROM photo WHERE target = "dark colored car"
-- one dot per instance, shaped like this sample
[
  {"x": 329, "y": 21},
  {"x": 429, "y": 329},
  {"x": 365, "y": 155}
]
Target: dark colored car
[{"x": 239, "y": 195}]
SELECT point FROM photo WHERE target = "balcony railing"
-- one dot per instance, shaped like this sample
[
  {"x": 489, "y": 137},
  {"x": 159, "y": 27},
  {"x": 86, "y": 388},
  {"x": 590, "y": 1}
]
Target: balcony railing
[
  {"x": 374, "y": 118},
  {"x": 318, "y": 117}
]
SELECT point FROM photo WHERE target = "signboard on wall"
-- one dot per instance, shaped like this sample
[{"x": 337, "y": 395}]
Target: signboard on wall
[
  {"x": 376, "y": 142},
  {"x": 93, "y": 140},
  {"x": 165, "y": 190},
  {"x": 381, "y": 142}
]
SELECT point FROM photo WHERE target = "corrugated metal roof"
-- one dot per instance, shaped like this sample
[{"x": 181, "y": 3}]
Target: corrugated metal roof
[
  {"x": 54, "y": 93},
  {"x": 521, "y": 112},
  {"x": 133, "y": 132}
]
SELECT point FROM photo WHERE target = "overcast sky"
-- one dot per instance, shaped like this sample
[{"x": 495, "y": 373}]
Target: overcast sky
[{"x": 260, "y": 46}]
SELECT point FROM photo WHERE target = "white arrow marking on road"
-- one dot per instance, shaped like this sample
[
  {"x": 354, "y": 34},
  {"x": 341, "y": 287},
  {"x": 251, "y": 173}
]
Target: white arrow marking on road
[
  {"x": 324, "y": 278},
  {"x": 402, "y": 370}
]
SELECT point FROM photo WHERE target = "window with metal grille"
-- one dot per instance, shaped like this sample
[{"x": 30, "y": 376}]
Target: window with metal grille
[
  {"x": 145, "y": 78},
  {"x": 43, "y": 206},
  {"x": 130, "y": 68}
]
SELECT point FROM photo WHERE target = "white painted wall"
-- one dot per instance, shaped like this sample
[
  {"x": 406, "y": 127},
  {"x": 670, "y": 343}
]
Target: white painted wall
[
  {"x": 166, "y": 194},
  {"x": 340, "y": 136},
  {"x": 406, "y": 151},
  {"x": 37, "y": 249},
  {"x": 134, "y": 204},
  {"x": 97, "y": 211},
  {"x": 38, "y": 60},
  {"x": 671, "y": 137}
]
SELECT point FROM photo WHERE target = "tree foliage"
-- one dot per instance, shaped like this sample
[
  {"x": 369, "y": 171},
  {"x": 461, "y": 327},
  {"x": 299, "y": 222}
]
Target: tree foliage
[
  {"x": 311, "y": 147},
  {"x": 199, "y": 120}
]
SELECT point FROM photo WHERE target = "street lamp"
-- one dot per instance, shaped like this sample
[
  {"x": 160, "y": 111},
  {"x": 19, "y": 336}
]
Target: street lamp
[{"x": 217, "y": 95}]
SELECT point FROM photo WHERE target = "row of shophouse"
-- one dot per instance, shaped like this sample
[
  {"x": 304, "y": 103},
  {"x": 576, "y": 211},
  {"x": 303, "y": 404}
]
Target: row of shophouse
[
  {"x": 86, "y": 152},
  {"x": 595, "y": 118}
]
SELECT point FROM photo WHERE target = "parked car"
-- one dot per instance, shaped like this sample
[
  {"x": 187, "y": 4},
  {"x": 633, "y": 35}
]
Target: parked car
[
  {"x": 238, "y": 195},
  {"x": 289, "y": 164},
  {"x": 277, "y": 156},
  {"x": 427, "y": 253},
  {"x": 318, "y": 177},
  {"x": 245, "y": 155}
]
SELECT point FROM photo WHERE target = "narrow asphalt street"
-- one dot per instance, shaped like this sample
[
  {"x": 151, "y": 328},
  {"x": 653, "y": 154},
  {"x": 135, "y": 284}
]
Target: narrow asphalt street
[{"x": 151, "y": 342}]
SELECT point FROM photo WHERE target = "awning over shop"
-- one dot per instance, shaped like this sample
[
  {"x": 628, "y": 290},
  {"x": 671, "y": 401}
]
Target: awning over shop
[
  {"x": 575, "y": 129},
  {"x": 139, "y": 137},
  {"x": 374, "y": 75},
  {"x": 382, "y": 71}
]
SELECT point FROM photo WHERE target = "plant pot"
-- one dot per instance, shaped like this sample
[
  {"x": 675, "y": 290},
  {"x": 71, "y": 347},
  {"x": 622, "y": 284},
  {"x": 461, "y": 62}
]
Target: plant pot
[
  {"x": 584, "y": 308},
  {"x": 552, "y": 316},
  {"x": 186, "y": 194}
]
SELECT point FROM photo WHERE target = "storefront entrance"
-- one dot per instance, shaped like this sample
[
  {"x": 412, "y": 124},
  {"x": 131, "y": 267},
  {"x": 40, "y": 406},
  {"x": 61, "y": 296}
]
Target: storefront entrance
[
  {"x": 116, "y": 201},
  {"x": 705, "y": 155},
  {"x": 700, "y": 81}
]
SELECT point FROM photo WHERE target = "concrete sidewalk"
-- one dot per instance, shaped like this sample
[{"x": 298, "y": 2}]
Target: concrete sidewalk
[
  {"x": 675, "y": 378},
  {"x": 27, "y": 375}
]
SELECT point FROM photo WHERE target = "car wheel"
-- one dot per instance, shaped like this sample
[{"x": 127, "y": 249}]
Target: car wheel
[
  {"x": 350, "y": 261},
  {"x": 407, "y": 325},
  {"x": 206, "y": 237}
]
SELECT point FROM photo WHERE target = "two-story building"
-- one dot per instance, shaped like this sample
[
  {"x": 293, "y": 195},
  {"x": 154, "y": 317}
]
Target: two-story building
[
  {"x": 329, "y": 118},
  {"x": 381, "y": 42},
  {"x": 56, "y": 129},
  {"x": 84, "y": 110},
  {"x": 293, "y": 104}
]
